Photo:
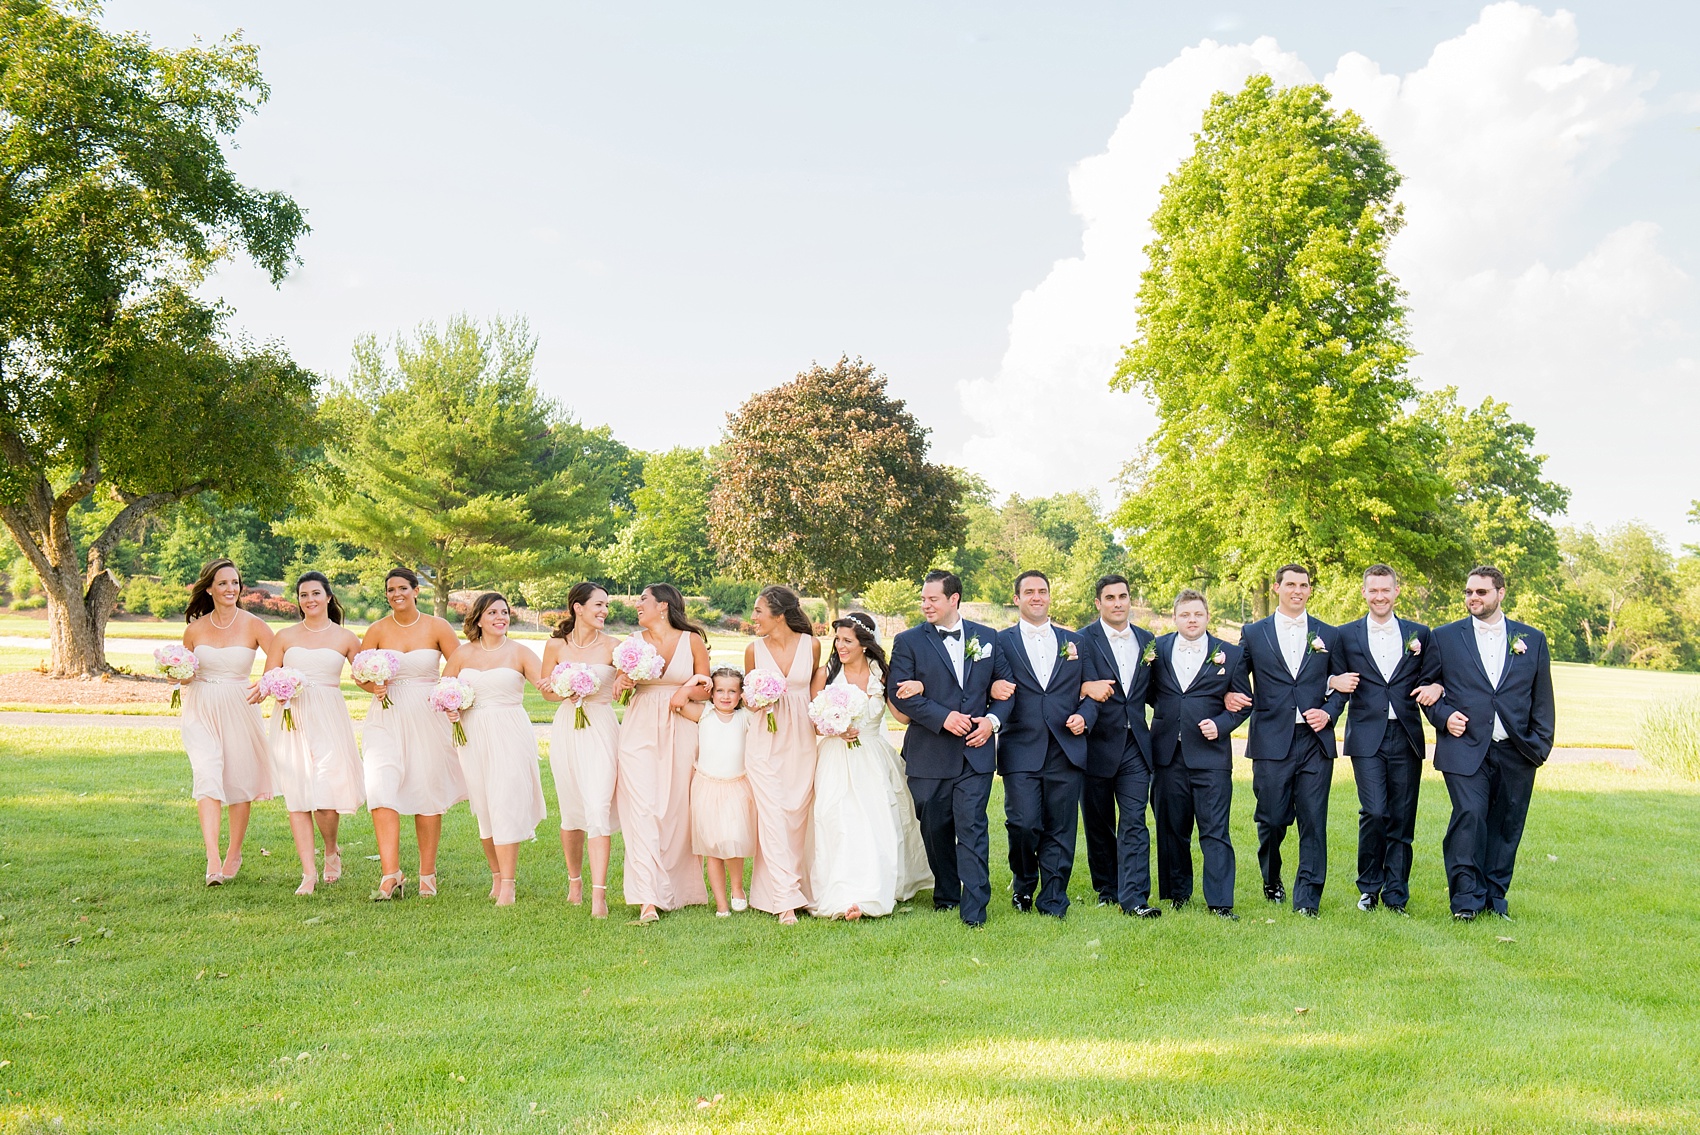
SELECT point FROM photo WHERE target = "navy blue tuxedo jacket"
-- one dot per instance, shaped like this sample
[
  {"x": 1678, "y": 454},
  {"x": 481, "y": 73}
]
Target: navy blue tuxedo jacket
[
  {"x": 1034, "y": 717},
  {"x": 1523, "y": 699},
  {"x": 1178, "y": 713},
  {"x": 918, "y": 653},
  {"x": 1278, "y": 694},
  {"x": 1123, "y": 712},
  {"x": 1366, "y": 721}
]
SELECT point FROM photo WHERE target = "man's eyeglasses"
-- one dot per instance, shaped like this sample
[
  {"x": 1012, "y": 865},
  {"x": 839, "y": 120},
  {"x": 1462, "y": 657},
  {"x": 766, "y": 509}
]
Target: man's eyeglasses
[{"x": 1481, "y": 592}]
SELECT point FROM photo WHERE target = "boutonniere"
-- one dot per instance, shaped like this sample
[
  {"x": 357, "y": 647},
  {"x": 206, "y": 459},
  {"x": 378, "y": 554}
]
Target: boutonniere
[
  {"x": 1317, "y": 646},
  {"x": 1518, "y": 646},
  {"x": 1068, "y": 653},
  {"x": 1414, "y": 645},
  {"x": 974, "y": 649},
  {"x": 1219, "y": 658},
  {"x": 1150, "y": 653}
]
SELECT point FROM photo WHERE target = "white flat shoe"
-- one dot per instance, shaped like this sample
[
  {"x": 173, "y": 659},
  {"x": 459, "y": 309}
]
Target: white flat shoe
[
  {"x": 740, "y": 904},
  {"x": 723, "y": 914}
]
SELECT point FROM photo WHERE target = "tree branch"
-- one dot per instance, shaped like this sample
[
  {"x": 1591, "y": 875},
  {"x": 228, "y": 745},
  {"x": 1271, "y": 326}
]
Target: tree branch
[{"x": 127, "y": 519}]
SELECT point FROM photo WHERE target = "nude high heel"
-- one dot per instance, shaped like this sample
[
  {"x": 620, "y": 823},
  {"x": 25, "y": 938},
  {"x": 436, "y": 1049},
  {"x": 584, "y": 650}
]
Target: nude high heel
[
  {"x": 506, "y": 895},
  {"x": 575, "y": 881},
  {"x": 308, "y": 880},
  {"x": 399, "y": 891},
  {"x": 333, "y": 867},
  {"x": 215, "y": 879},
  {"x": 598, "y": 903},
  {"x": 428, "y": 886}
]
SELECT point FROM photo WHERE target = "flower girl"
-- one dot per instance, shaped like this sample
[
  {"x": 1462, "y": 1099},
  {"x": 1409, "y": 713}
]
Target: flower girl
[{"x": 723, "y": 813}]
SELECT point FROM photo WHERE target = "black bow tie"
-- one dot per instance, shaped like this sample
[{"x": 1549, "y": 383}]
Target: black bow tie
[{"x": 957, "y": 633}]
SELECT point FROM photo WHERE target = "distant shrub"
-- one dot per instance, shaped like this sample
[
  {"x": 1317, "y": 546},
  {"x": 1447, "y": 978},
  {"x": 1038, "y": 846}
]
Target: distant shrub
[
  {"x": 267, "y": 606},
  {"x": 373, "y": 614},
  {"x": 33, "y": 603},
  {"x": 899, "y": 598},
  {"x": 142, "y": 595},
  {"x": 733, "y": 596},
  {"x": 1668, "y": 737},
  {"x": 622, "y": 614},
  {"x": 702, "y": 612},
  {"x": 815, "y": 609}
]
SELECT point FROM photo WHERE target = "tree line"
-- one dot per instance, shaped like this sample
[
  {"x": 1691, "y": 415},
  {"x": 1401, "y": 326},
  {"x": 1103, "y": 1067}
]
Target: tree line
[{"x": 139, "y": 436}]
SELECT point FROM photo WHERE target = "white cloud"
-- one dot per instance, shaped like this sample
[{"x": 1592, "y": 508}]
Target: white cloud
[{"x": 1500, "y": 137}]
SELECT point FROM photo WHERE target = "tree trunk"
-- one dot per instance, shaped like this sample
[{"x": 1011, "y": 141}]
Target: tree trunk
[
  {"x": 1260, "y": 598},
  {"x": 76, "y": 623},
  {"x": 440, "y": 591}
]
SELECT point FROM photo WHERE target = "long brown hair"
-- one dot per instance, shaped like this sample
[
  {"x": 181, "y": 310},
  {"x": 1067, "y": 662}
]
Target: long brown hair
[
  {"x": 865, "y": 636},
  {"x": 669, "y": 595},
  {"x": 333, "y": 608},
  {"x": 782, "y": 601},
  {"x": 470, "y": 627},
  {"x": 200, "y": 595},
  {"x": 581, "y": 593}
]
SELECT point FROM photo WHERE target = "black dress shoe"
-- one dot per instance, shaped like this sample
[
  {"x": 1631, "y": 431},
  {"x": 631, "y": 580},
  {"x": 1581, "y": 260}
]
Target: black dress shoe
[
  {"x": 1367, "y": 901},
  {"x": 1505, "y": 914},
  {"x": 1464, "y": 916},
  {"x": 1143, "y": 912},
  {"x": 1108, "y": 900},
  {"x": 1277, "y": 893},
  {"x": 974, "y": 925},
  {"x": 1022, "y": 902},
  {"x": 1307, "y": 912},
  {"x": 1398, "y": 909},
  {"x": 1226, "y": 912},
  {"x": 1178, "y": 904},
  {"x": 937, "y": 905}
]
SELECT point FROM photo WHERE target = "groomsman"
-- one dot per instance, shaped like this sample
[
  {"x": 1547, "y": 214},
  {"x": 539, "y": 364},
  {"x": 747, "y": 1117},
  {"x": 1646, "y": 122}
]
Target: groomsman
[
  {"x": 1118, "y": 753},
  {"x": 1192, "y": 673},
  {"x": 946, "y": 747},
  {"x": 1389, "y": 671},
  {"x": 1290, "y": 656},
  {"x": 1495, "y": 724},
  {"x": 1043, "y": 720}
]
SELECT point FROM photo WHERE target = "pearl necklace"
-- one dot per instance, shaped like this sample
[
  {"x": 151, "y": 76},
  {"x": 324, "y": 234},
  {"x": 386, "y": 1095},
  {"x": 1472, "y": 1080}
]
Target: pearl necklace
[
  {"x": 417, "y": 615},
  {"x": 212, "y": 615}
]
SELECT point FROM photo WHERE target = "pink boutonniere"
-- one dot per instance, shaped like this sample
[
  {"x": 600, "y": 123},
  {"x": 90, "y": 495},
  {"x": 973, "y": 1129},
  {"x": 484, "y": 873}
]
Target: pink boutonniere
[
  {"x": 1317, "y": 646},
  {"x": 1518, "y": 646},
  {"x": 1414, "y": 646},
  {"x": 1069, "y": 653},
  {"x": 1220, "y": 657}
]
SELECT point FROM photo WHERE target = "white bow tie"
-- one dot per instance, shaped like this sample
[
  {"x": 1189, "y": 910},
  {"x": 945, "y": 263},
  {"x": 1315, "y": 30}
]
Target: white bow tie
[
  {"x": 1293, "y": 624},
  {"x": 1123, "y": 635},
  {"x": 1190, "y": 647},
  {"x": 1384, "y": 628}
]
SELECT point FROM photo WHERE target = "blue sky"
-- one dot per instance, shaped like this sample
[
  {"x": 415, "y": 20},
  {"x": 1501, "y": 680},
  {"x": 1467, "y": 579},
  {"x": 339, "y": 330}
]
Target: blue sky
[{"x": 693, "y": 202}]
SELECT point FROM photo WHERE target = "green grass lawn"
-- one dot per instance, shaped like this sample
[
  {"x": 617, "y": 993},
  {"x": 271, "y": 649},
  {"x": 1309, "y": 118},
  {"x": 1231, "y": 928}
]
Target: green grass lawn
[{"x": 244, "y": 1009}]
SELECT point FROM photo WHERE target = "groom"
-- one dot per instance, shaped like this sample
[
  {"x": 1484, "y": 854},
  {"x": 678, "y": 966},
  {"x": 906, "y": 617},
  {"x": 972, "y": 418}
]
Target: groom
[
  {"x": 947, "y": 747},
  {"x": 1493, "y": 728}
]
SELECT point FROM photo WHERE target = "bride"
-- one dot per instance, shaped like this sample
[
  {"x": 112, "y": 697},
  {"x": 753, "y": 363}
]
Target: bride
[{"x": 867, "y": 854}]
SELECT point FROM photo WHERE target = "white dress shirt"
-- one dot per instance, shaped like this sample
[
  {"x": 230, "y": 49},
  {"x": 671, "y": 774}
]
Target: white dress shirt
[
  {"x": 1385, "y": 647},
  {"x": 1188, "y": 659},
  {"x": 1294, "y": 636},
  {"x": 955, "y": 648},
  {"x": 1041, "y": 644},
  {"x": 1490, "y": 643},
  {"x": 1122, "y": 644}
]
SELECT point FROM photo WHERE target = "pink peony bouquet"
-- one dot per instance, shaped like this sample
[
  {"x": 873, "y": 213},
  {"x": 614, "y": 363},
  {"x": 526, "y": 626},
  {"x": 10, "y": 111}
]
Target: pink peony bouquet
[
  {"x": 283, "y": 684},
  {"x": 452, "y": 695},
  {"x": 578, "y": 681},
  {"x": 835, "y": 709},
  {"x": 639, "y": 661},
  {"x": 178, "y": 663},
  {"x": 763, "y": 688},
  {"x": 377, "y": 666}
]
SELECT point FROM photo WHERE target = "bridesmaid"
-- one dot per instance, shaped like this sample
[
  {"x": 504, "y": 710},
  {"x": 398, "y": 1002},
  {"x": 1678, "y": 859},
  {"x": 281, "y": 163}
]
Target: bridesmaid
[
  {"x": 411, "y": 767},
  {"x": 316, "y": 764},
  {"x": 584, "y": 760},
  {"x": 658, "y": 747},
  {"x": 780, "y": 766},
  {"x": 223, "y": 734},
  {"x": 500, "y": 754}
]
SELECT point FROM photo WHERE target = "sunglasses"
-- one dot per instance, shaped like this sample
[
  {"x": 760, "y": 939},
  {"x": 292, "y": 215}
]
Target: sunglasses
[{"x": 1481, "y": 592}]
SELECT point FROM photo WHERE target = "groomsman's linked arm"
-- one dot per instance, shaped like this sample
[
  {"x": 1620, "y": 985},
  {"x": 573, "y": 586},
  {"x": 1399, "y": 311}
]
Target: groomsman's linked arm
[
  {"x": 1335, "y": 702},
  {"x": 921, "y": 710},
  {"x": 1239, "y": 682},
  {"x": 1543, "y": 714},
  {"x": 1428, "y": 689}
]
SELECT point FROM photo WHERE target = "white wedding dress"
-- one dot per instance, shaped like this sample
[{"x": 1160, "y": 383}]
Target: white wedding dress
[{"x": 861, "y": 855}]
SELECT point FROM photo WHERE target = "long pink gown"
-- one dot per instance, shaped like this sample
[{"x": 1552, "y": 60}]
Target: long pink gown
[
  {"x": 780, "y": 767},
  {"x": 653, "y": 789}
]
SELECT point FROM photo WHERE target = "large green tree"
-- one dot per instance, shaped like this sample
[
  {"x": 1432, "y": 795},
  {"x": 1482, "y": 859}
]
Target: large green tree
[
  {"x": 1271, "y": 338},
  {"x": 116, "y": 382},
  {"x": 667, "y": 539},
  {"x": 451, "y": 462},
  {"x": 824, "y": 483}
]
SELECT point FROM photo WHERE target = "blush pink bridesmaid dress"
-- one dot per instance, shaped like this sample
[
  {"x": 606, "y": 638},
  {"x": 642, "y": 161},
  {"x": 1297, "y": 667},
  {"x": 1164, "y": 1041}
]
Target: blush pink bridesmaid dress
[
  {"x": 780, "y": 767},
  {"x": 657, "y": 748}
]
